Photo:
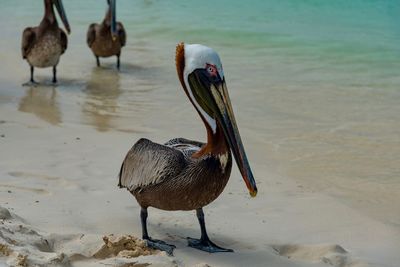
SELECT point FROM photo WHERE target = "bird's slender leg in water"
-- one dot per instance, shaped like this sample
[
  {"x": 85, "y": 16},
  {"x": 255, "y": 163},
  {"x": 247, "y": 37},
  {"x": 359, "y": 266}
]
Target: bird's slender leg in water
[
  {"x": 54, "y": 74},
  {"x": 118, "y": 61},
  {"x": 32, "y": 81},
  {"x": 153, "y": 243},
  {"x": 32, "y": 69},
  {"x": 204, "y": 243},
  {"x": 98, "y": 61}
]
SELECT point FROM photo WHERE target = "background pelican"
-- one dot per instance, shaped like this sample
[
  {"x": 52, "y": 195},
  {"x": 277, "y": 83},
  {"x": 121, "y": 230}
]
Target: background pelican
[
  {"x": 184, "y": 174},
  {"x": 43, "y": 45},
  {"x": 107, "y": 39}
]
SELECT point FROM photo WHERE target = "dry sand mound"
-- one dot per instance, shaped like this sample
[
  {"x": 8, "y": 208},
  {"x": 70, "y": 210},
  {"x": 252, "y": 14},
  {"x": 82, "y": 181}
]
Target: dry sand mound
[
  {"x": 123, "y": 246},
  {"x": 22, "y": 245}
]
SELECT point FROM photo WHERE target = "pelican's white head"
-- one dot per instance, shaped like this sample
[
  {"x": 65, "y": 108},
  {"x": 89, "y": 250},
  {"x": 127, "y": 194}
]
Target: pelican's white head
[{"x": 198, "y": 56}]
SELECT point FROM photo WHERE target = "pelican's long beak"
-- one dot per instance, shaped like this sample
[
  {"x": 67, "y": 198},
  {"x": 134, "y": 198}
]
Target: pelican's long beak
[
  {"x": 63, "y": 15},
  {"x": 113, "y": 10},
  {"x": 213, "y": 97}
]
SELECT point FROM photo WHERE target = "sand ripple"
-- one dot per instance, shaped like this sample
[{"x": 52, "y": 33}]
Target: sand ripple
[{"x": 330, "y": 254}]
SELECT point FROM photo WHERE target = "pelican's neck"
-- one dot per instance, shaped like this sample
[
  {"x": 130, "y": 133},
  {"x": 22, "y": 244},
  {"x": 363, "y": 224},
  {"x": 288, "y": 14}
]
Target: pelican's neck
[
  {"x": 49, "y": 12},
  {"x": 216, "y": 142},
  {"x": 107, "y": 18}
]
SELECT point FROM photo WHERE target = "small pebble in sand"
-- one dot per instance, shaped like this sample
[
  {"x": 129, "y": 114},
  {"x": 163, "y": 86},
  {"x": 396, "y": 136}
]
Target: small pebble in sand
[
  {"x": 3, "y": 135},
  {"x": 77, "y": 138},
  {"x": 9, "y": 191},
  {"x": 4, "y": 213},
  {"x": 22, "y": 260},
  {"x": 5, "y": 250}
]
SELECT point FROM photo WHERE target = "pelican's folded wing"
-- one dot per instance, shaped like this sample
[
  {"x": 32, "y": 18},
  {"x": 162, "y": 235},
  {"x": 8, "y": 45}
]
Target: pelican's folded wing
[
  {"x": 91, "y": 34},
  {"x": 121, "y": 33},
  {"x": 184, "y": 141},
  {"x": 28, "y": 40},
  {"x": 148, "y": 163},
  {"x": 64, "y": 41}
]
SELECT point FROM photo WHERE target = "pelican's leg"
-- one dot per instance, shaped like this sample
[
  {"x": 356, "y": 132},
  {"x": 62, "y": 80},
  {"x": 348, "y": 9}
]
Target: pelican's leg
[
  {"x": 55, "y": 74},
  {"x": 153, "y": 243},
  {"x": 32, "y": 70},
  {"x": 98, "y": 61},
  {"x": 32, "y": 81},
  {"x": 204, "y": 243},
  {"x": 118, "y": 61}
]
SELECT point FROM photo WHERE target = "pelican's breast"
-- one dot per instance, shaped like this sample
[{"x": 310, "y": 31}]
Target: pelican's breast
[
  {"x": 46, "y": 52},
  {"x": 104, "y": 45}
]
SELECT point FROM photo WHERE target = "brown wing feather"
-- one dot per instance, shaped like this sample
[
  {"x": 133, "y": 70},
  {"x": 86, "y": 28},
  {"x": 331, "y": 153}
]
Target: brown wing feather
[
  {"x": 121, "y": 33},
  {"x": 184, "y": 141},
  {"x": 64, "y": 41},
  {"x": 91, "y": 34},
  {"x": 148, "y": 163},
  {"x": 28, "y": 40}
]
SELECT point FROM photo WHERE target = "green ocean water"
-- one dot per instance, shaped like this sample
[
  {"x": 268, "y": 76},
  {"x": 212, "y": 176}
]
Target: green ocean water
[{"x": 315, "y": 84}]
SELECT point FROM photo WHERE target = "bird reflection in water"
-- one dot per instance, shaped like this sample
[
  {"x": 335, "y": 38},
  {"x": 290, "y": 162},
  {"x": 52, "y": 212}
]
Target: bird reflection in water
[
  {"x": 102, "y": 92},
  {"x": 42, "y": 101}
]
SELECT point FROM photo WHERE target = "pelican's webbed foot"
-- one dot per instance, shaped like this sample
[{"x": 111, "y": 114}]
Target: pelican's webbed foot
[
  {"x": 206, "y": 245},
  {"x": 160, "y": 245},
  {"x": 31, "y": 84}
]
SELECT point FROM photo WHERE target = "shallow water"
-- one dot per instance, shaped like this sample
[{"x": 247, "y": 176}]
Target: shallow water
[{"x": 314, "y": 84}]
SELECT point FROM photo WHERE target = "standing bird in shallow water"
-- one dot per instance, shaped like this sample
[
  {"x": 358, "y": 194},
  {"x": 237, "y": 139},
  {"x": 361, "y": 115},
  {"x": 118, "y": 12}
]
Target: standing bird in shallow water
[
  {"x": 184, "y": 174},
  {"x": 107, "y": 39},
  {"x": 43, "y": 45}
]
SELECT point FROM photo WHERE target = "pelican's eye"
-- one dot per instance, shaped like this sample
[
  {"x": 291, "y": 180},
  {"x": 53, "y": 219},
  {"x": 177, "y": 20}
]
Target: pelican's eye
[
  {"x": 212, "y": 72},
  {"x": 212, "y": 69}
]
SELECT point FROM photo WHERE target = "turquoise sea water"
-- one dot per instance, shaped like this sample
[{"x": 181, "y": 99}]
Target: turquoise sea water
[
  {"x": 315, "y": 83},
  {"x": 343, "y": 42}
]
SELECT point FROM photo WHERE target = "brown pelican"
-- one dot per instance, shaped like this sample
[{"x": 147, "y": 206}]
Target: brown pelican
[
  {"x": 184, "y": 174},
  {"x": 43, "y": 45},
  {"x": 107, "y": 39}
]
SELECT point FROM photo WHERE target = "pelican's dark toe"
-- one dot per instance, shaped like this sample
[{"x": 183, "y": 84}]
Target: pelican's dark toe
[
  {"x": 160, "y": 245},
  {"x": 206, "y": 245},
  {"x": 31, "y": 84}
]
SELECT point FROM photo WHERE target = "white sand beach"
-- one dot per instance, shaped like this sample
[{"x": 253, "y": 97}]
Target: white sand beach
[{"x": 59, "y": 199}]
